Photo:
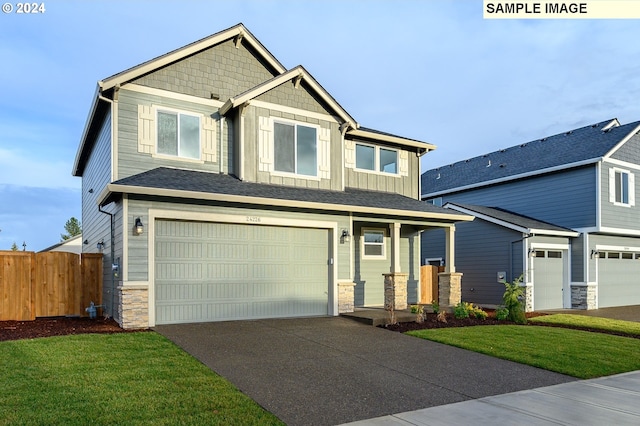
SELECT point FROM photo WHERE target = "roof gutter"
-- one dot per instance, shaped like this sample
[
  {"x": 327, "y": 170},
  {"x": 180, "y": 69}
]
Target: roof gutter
[{"x": 141, "y": 190}]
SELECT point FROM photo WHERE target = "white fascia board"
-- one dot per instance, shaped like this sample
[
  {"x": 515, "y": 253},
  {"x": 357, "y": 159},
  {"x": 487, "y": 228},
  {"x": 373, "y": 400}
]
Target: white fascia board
[
  {"x": 392, "y": 139},
  {"x": 190, "y": 49},
  {"x": 512, "y": 177},
  {"x": 621, "y": 163},
  {"x": 622, "y": 142},
  {"x": 87, "y": 125},
  {"x": 141, "y": 190},
  {"x": 509, "y": 225},
  {"x": 619, "y": 231}
]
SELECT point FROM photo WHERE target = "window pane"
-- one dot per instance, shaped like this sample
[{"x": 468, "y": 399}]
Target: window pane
[
  {"x": 373, "y": 237},
  {"x": 388, "y": 161},
  {"x": 189, "y": 136},
  {"x": 555, "y": 254},
  {"x": 373, "y": 250},
  {"x": 167, "y": 133},
  {"x": 622, "y": 187},
  {"x": 365, "y": 157},
  {"x": 284, "y": 148},
  {"x": 307, "y": 152}
]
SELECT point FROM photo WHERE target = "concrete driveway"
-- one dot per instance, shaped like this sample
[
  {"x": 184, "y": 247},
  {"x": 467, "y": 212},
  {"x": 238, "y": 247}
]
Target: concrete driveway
[{"x": 327, "y": 371}]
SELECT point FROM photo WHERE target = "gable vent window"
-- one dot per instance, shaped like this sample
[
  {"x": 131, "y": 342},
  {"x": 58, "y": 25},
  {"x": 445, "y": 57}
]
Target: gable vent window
[
  {"x": 295, "y": 149},
  {"x": 621, "y": 187},
  {"x": 178, "y": 134},
  {"x": 375, "y": 158}
]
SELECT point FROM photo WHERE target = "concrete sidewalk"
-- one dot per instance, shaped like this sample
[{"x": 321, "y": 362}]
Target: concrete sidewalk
[{"x": 613, "y": 400}]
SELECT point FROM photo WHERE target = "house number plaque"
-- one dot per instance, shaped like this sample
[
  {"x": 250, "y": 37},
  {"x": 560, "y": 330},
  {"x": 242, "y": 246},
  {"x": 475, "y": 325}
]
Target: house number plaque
[{"x": 254, "y": 219}]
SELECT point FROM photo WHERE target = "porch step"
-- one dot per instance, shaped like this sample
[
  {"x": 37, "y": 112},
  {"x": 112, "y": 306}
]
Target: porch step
[{"x": 378, "y": 316}]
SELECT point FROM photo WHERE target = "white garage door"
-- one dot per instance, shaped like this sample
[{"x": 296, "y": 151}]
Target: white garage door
[
  {"x": 548, "y": 270},
  {"x": 618, "y": 279},
  {"x": 218, "y": 271}
]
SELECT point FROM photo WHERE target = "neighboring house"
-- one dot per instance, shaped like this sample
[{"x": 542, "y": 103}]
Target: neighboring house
[
  {"x": 226, "y": 186},
  {"x": 560, "y": 211},
  {"x": 71, "y": 245}
]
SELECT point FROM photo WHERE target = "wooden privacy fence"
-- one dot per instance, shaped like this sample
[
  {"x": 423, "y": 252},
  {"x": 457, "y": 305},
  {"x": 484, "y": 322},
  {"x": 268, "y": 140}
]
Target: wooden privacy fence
[
  {"x": 429, "y": 283},
  {"x": 48, "y": 284}
]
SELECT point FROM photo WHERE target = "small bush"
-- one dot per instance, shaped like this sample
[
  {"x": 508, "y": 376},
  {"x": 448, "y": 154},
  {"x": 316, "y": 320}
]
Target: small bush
[
  {"x": 442, "y": 317},
  {"x": 512, "y": 299},
  {"x": 502, "y": 313},
  {"x": 435, "y": 306},
  {"x": 461, "y": 311},
  {"x": 480, "y": 314}
]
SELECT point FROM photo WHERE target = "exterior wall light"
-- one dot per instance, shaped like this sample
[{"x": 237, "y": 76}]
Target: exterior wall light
[
  {"x": 100, "y": 245},
  {"x": 344, "y": 236},
  {"x": 138, "y": 227},
  {"x": 532, "y": 253},
  {"x": 594, "y": 253}
]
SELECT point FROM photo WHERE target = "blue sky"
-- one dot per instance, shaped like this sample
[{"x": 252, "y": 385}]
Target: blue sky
[{"x": 428, "y": 70}]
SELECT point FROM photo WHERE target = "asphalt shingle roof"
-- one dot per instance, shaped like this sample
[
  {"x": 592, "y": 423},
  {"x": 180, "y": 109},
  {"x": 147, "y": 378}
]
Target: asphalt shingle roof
[
  {"x": 579, "y": 145},
  {"x": 512, "y": 218},
  {"x": 203, "y": 182}
]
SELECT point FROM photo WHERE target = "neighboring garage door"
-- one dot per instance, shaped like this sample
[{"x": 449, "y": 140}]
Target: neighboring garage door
[
  {"x": 548, "y": 277},
  {"x": 618, "y": 283},
  {"x": 220, "y": 271}
]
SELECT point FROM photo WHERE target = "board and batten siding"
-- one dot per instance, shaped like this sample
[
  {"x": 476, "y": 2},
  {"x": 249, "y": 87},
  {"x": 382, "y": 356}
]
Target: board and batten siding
[
  {"x": 616, "y": 216},
  {"x": 259, "y": 150},
  {"x": 566, "y": 198},
  {"x": 132, "y": 161},
  {"x": 138, "y": 206},
  {"x": 222, "y": 70}
]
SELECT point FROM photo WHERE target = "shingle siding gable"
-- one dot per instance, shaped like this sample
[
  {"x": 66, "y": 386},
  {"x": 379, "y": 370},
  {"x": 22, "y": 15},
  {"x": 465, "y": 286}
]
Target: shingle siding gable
[
  {"x": 629, "y": 152},
  {"x": 223, "y": 70}
]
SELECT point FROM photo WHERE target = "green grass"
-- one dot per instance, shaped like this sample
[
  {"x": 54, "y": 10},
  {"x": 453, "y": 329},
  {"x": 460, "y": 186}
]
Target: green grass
[
  {"x": 595, "y": 323},
  {"x": 118, "y": 379},
  {"x": 577, "y": 353}
]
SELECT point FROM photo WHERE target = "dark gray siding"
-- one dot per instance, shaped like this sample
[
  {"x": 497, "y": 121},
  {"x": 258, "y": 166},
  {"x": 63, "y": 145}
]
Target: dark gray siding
[
  {"x": 482, "y": 250},
  {"x": 566, "y": 199},
  {"x": 630, "y": 151},
  {"x": 615, "y": 216},
  {"x": 223, "y": 70}
]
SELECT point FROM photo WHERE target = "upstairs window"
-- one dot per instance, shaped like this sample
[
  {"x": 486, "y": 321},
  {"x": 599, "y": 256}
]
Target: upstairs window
[
  {"x": 295, "y": 149},
  {"x": 375, "y": 158},
  {"x": 621, "y": 187},
  {"x": 178, "y": 134}
]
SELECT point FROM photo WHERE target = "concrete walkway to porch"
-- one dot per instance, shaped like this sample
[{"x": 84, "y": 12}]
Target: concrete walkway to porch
[{"x": 378, "y": 316}]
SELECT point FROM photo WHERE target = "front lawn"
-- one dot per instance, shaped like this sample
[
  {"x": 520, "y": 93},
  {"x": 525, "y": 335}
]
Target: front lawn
[
  {"x": 577, "y": 353},
  {"x": 128, "y": 378},
  {"x": 592, "y": 323}
]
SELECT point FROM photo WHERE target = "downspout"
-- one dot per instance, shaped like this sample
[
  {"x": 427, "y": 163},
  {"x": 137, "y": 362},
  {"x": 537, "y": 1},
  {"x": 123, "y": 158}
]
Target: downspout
[{"x": 113, "y": 252}]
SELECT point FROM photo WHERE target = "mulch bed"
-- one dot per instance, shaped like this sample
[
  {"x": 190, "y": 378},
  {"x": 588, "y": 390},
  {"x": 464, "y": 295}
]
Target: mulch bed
[{"x": 57, "y": 326}]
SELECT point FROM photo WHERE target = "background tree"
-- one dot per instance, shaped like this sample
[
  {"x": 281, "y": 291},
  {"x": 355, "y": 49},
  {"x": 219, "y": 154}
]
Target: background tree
[
  {"x": 14, "y": 246},
  {"x": 73, "y": 228}
]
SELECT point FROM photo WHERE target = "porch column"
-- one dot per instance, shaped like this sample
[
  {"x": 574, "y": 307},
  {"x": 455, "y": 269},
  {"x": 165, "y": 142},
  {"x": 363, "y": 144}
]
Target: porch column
[
  {"x": 395, "y": 247},
  {"x": 395, "y": 282},
  {"x": 449, "y": 281}
]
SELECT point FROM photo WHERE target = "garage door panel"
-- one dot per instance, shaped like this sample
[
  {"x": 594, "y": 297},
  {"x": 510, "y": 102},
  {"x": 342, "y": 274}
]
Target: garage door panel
[
  {"x": 618, "y": 282},
  {"x": 214, "y": 271}
]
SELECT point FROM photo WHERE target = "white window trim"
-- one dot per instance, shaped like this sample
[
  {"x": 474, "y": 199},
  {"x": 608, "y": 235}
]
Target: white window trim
[
  {"x": 156, "y": 154},
  {"x": 630, "y": 188},
  {"x": 376, "y": 160},
  {"x": 275, "y": 172},
  {"x": 383, "y": 256}
]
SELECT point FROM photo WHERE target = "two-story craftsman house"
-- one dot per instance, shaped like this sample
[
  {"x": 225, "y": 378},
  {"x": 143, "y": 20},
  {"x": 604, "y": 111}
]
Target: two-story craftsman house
[
  {"x": 560, "y": 211},
  {"x": 221, "y": 185}
]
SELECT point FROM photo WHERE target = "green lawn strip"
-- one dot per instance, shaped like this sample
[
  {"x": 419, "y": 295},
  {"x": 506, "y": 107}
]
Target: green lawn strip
[
  {"x": 117, "y": 379},
  {"x": 576, "y": 353},
  {"x": 595, "y": 323}
]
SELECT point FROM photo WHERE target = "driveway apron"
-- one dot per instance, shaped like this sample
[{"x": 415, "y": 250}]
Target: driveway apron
[{"x": 332, "y": 370}]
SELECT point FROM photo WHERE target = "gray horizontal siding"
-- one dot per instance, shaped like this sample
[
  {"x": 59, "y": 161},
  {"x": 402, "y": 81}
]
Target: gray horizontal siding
[{"x": 566, "y": 199}]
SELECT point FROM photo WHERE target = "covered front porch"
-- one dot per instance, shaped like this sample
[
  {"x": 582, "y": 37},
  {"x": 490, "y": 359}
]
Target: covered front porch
[{"x": 386, "y": 268}]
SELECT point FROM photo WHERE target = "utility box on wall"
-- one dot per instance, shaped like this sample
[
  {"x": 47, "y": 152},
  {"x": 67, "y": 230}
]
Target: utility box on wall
[{"x": 502, "y": 277}]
